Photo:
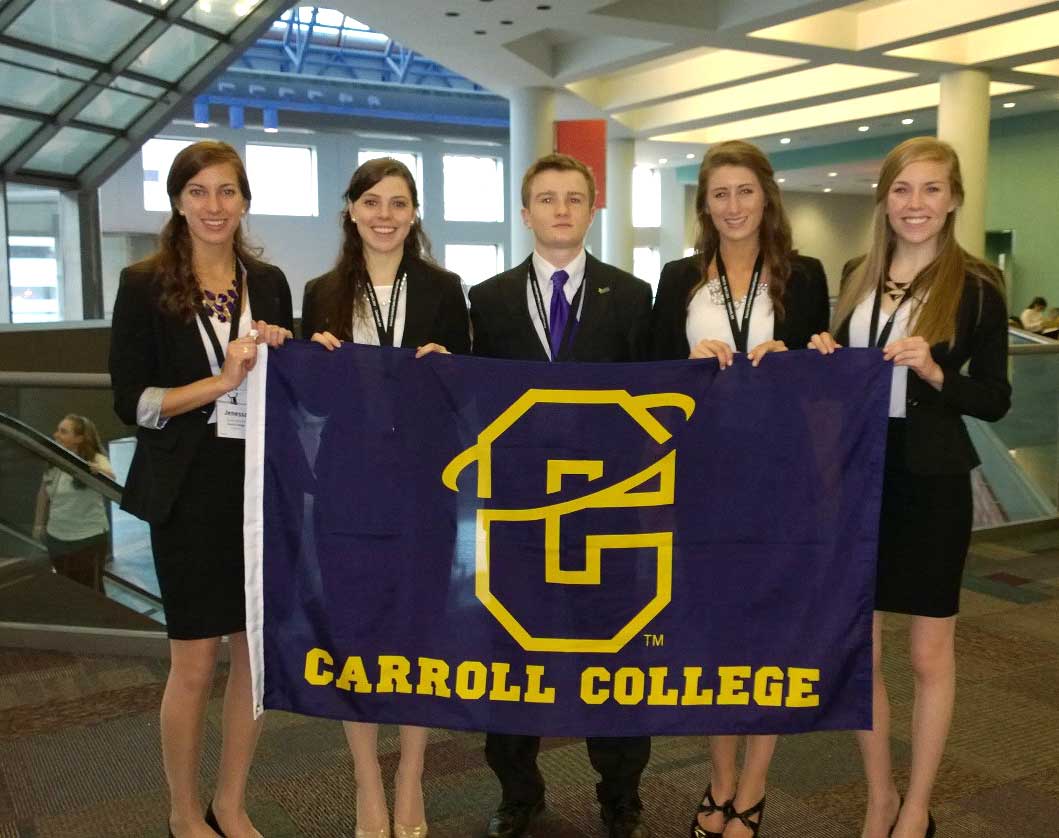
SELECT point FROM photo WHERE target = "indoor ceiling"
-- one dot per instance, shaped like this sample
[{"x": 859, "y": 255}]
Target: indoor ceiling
[{"x": 678, "y": 75}]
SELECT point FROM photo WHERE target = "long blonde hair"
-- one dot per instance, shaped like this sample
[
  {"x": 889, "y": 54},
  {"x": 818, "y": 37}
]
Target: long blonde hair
[{"x": 934, "y": 319}]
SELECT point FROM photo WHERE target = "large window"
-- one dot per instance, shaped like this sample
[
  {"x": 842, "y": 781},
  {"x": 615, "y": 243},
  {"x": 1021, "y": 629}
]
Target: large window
[
  {"x": 647, "y": 264},
  {"x": 474, "y": 188},
  {"x": 34, "y": 268},
  {"x": 474, "y": 262},
  {"x": 411, "y": 159},
  {"x": 646, "y": 197},
  {"x": 158, "y": 155},
  {"x": 282, "y": 179}
]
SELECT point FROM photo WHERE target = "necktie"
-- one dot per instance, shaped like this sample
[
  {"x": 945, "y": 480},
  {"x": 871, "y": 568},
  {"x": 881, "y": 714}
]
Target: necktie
[{"x": 559, "y": 313}]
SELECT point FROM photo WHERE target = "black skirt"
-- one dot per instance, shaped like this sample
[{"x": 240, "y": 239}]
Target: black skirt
[
  {"x": 924, "y": 533},
  {"x": 198, "y": 552}
]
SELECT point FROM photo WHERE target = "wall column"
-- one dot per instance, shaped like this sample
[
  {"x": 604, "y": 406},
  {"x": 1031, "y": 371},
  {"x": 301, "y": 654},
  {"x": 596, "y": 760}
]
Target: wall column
[
  {"x": 617, "y": 219},
  {"x": 963, "y": 122},
  {"x": 5, "y": 271},
  {"x": 532, "y": 136}
]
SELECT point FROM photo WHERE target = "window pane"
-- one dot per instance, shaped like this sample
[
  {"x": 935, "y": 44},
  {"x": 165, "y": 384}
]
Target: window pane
[
  {"x": 173, "y": 54},
  {"x": 474, "y": 188},
  {"x": 68, "y": 151},
  {"x": 411, "y": 159},
  {"x": 158, "y": 156},
  {"x": 646, "y": 197},
  {"x": 114, "y": 108},
  {"x": 34, "y": 279},
  {"x": 34, "y": 90},
  {"x": 282, "y": 180},
  {"x": 220, "y": 15},
  {"x": 89, "y": 28},
  {"x": 647, "y": 264},
  {"x": 474, "y": 262},
  {"x": 25, "y": 58},
  {"x": 13, "y": 132}
]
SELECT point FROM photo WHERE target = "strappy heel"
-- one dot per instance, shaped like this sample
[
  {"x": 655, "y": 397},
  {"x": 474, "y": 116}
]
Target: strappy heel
[
  {"x": 708, "y": 807},
  {"x": 745, "y": 816}
]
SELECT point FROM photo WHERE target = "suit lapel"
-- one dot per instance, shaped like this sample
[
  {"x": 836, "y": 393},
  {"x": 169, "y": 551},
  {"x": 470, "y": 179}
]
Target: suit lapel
[
  {"x": 420, "y": 307},
  {"x": 596, "y": 296},
  {"x": 513, "y": 291}
]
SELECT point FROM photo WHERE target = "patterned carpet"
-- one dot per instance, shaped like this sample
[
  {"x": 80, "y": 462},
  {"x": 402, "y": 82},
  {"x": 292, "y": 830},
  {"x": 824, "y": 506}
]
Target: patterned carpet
[{"x": 79, "y": 751}]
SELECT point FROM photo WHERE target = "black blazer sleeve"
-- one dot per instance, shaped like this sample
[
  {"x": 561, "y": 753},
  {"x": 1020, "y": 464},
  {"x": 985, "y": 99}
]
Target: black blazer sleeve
[
  {"x": 669, "y": 336},
  {"x": 807, "y": 303},
  {"x": 453, "y": 324},
  {"x": 285, "y": 313},
  {"x": 480, "y": 320},
  {"x": 133, "y": 347},
  {"x": 310, "y": 315},
  {"x": 640, "y": 326}
]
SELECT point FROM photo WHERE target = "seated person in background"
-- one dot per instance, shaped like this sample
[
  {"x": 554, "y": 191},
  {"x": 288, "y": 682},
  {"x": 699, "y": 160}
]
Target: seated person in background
[
  {"x": 1033, "y": 317},
  {"x": 1050, "y": 327}
]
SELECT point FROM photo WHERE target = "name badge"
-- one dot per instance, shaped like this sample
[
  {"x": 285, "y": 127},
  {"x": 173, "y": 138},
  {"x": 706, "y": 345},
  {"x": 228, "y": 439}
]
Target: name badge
[{"x": 231, "y": 413}]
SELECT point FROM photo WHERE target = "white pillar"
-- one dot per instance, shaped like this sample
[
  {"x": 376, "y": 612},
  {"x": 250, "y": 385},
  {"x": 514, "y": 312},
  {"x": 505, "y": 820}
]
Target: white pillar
[
  {"x": 672, "y": 234},
  {"x": 5, "y": 274},
  {"x": 618, "y": 232},
  {"x": 963, "y": 122},
  {"x": 532, "y": 135}
]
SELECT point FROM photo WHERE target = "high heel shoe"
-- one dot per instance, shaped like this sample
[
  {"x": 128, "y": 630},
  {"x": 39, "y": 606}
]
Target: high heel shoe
[
  {"x": 931, "y": 826},
  {"x": 211, "y": 820},
  {"x": 745, "y": 816},
  {"x": 707, "y": 807},
  {"x": 402, "y": 831},
  {"x": 372, "y": 833},
  {"x": 897, "y": 817}
]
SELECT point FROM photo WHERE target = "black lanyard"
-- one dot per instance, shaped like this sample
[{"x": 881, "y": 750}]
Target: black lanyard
[
  {"x": 740, "y": 331},
  {"x": 386, "y": 330},
  {"x": 888, "y": 327},
  {"x": 233, "y": 332},
  {"x": 571, "y": 324}
]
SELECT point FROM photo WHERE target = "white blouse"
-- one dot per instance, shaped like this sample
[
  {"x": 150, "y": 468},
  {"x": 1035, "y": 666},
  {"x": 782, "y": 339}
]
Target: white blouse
[
  {"x": 364, "y": 328},
  {"x": 708, "y": 318},
  {"x": 859, "y": 330}
]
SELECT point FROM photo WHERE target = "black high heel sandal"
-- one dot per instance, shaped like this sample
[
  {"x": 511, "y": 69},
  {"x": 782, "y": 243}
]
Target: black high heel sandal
[
  {"x": 211, "y": 820},
  {"x": 708, "y": 807},
  {"x": 745, "y": 816}
]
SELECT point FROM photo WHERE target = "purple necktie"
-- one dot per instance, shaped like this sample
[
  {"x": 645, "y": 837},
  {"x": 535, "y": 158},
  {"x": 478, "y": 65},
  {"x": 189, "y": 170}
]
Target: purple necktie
[{"x": 560, "y": 312}]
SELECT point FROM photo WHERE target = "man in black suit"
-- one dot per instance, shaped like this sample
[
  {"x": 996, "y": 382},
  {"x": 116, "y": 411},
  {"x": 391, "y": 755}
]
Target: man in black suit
[{"x": 561, "y": 304}]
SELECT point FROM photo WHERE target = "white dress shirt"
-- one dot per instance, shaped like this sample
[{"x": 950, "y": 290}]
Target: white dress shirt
[
  {"x": 364, "y": 328},
  {"x": 859, "y": 331},
  {"x": 544, "y": 269}
]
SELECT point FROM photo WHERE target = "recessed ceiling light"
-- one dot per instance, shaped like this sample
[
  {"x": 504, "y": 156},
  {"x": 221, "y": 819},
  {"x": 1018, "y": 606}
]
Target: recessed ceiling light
[
  {"x": 452, "y": 14},
  {"x": 1009, "y": 104},
  {"x": 863, "y": 128},
  {"x": 506, "y": 22},
  {"x": 781, "y": 180},
  {"x": 479, "y": 31},
  {"x": 785, "y": 140},
  {"x": 662, "y": 161},
  {"x": 827, "y": 189},
  {"x": 832, "y": 174},
  {"x": 543, "y": 7},
  {"x": 874, "y": 185},
  {"x": 690, "y": 155},
  {"x": 907, "y": 120}
]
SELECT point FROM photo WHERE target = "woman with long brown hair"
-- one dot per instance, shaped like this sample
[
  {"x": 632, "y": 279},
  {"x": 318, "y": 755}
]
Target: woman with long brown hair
[
  {"x": 744, "y": 291},
  {"x": 932, "y": 307},
  {"x": 386, "y": 291},
  {"x": 187, "y": 323}
]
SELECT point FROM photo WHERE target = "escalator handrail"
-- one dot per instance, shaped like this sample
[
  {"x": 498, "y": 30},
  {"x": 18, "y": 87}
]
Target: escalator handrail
[{"x": 48, "y": 449}]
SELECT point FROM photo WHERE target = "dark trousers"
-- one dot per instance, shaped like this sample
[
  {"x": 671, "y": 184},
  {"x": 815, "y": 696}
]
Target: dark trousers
[
  {"x": 81, "y": 561},
  {"x": 619, "y": 761}
]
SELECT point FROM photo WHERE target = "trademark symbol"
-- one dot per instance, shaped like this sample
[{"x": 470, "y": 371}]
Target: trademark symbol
[{"x": 654, "y": 639}]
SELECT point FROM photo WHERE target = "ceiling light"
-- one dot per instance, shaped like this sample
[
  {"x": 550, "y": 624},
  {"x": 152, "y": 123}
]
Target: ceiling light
[
  {"x": 874, "y": 186},
  {"x": 907, "y": 120},
  {"x": 863, "y": 128},
  {"x": 785, "y": 140},
  {"x": 662, "y": 161},
  {"x": 827, "y": 189},
  {"x": 1009, "y": 104},
  {"x": 781, "y": 180},
  {"x": 690, "y": 155},
  {"x": 832, "y": 174}
]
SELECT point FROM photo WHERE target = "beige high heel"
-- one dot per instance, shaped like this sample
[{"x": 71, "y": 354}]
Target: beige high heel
[
  {"x": 401, "y": 831},
  {"x": 373, "y": 833}
]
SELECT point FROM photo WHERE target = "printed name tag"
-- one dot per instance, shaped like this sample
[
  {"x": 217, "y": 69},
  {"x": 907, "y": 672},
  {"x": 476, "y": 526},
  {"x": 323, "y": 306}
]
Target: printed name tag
[{"x": 231, "y": 413}]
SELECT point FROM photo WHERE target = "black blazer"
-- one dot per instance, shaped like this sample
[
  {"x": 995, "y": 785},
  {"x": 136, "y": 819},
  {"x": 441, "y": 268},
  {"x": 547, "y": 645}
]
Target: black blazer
[
  {"x": 938, "y": 442},
  {"x": 435, "y": 311},
  {"x": 615, "y": 317},
  {"x": 805, "y": 303},
  {"x": 149, "y": 348}
]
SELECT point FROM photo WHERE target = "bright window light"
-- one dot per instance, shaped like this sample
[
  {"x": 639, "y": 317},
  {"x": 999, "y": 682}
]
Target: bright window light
[
  {"x": 474, "y": 262},
  {"x": 34, "y": 275},
  {"x": 646, "y": 197},
  {"x": 282, "y": 180},
  {"x": 474, "y": 188},
  {"x": 647, "y": 265},
  {"x": 411, "y": 159},
  {"x": 158, "y": 154}
]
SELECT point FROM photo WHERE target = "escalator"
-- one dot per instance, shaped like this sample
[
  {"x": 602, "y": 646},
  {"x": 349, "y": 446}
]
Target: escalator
[{"x": 34, "y": 598}]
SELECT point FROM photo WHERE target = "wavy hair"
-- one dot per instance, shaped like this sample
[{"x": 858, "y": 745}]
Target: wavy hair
[
  {"x": 934, "y": 319},
  {"x": 344, "y": 291},
  {"x": 172, "y": 263},
  {"x": 774, "y": 235}
]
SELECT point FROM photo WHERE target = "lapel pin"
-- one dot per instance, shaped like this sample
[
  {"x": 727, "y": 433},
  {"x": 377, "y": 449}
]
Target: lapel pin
[{"x": 604, "y": 290}]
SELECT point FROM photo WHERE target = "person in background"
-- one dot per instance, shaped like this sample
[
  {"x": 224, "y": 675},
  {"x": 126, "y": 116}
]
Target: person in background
[
  {"x": 1032, "y": 316},
  {"x": 745, "y": 291},
  {"x": 386, "y": 291},
  {"x": 562, "y": 304},
  {"x": 186, "y": 328},
  {"x": 932, "y": 307},
  {"x": 72, "y": 517}
]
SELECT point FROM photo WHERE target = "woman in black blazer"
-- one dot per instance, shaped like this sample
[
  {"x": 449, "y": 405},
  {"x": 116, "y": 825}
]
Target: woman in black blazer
[
  {"x": 186, "y": 326},
  {"x": 744, "y": 291},
  {"x": 385, "y": 292},
  {"x": 932, "y": 307}
]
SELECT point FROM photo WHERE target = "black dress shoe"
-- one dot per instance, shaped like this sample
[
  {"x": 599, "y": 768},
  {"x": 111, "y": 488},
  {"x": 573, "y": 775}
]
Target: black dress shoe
[
  {"x": 512, "y": 820},
  {"x": 211, "y": 820},
  {"x": 624, "y": 820}
]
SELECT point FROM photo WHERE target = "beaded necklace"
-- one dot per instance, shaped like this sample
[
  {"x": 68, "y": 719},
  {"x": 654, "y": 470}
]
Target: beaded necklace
[{"x": 221, "y": 305}]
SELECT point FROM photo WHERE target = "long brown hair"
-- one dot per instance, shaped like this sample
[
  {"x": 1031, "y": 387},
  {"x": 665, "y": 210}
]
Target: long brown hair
[
  {"x": 934, "y": 319},
  {"x": 345, "y": 289},
  {"x": 774, "y": 235},
  {"x": 171, "y": 263},
  {"x": 90, "y": 441}
]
